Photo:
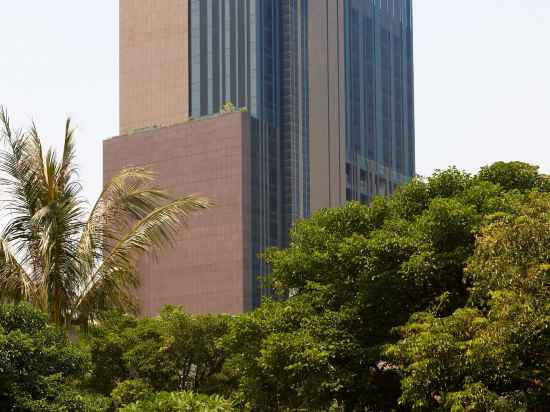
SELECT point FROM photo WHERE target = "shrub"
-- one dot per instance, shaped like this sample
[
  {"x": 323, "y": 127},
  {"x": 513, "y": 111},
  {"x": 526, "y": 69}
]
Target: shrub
[
  {"x": 130, "y": 391},
  {"x": 179, "y": 402},
  {"x": 37, "y": 362}
]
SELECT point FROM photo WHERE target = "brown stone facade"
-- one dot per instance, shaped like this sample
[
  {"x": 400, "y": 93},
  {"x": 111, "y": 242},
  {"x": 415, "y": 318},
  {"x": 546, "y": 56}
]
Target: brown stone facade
[
  {"x": 209, "y": 269},
  {"x": 154, "y": 63}
]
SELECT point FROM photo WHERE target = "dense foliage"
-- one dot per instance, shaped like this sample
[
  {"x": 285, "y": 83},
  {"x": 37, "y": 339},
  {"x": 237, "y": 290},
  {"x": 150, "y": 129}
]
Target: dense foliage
[
  {"x": 179, "y": 402},
  {"x": 124, "y": 363},
  {"x": 356, "y": 274},
  {"x": 172, "y": 352},
  {"x": 496, "y": 351},
  {"x": 38, "y": 366},
  {"x": 434, "y": 299}
]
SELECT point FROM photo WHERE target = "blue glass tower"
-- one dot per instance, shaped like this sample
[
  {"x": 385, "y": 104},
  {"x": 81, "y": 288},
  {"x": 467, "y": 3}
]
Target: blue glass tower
[
  {"x": 329, "y": 87},
  {"x": 379, "y": 97}
]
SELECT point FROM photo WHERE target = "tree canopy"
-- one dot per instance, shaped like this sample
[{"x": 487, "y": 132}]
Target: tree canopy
[
  {"x": 433, "y": 299},
  {"x": 38, "y": 364},
  {"x": 357, "y": 274},
  {"x": 174, "y": 351},
  {"x": 496, "y": 350}
]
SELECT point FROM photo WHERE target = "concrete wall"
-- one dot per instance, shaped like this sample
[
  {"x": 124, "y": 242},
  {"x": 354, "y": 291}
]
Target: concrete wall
[
  {"x": 209, "y": 269},
  {"x": 153, "y": 63}
]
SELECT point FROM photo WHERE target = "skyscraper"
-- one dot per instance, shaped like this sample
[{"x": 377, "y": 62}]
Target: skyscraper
[{"x": 324, "y": 90}]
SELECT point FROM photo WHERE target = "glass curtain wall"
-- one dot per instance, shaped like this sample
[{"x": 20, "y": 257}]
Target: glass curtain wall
[
  {"x": 379, "y": 97},
  {"x": 253, "y": 53},
  {"x": 294, "y": 111}
]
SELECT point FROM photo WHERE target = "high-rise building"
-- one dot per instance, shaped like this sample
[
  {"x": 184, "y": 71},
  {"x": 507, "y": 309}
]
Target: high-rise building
[{"x": 323, "y": 91}]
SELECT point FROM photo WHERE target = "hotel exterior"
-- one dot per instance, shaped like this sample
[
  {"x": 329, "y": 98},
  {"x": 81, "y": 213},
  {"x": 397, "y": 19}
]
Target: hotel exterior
[{"x": 323, "y": 95}]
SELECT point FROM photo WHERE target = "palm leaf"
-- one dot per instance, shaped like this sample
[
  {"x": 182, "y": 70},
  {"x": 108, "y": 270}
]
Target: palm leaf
[
  {"x": 20, "y": 184},
  {"x": 114, "y": 281},
  {"x": 15, "y": 283},
  {"x": 126, "y": 199},
  {"x": 50, "y": 255}
]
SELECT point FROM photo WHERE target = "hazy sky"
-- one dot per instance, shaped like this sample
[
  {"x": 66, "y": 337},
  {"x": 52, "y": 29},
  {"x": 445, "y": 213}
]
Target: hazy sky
[{"x": 482, "y": 71}]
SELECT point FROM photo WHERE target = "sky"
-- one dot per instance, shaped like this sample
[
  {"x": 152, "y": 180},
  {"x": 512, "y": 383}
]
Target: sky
[{"x": 482, "y": 78}]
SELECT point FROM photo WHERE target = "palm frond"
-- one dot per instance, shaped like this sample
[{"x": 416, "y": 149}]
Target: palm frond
[
  {"x": 7, "y": 132},
  {"x": 45, "y": 213},
  {"x": 21, "y": 185},
  {"x": 121, "y": 196},
  {"x": 50, "y": 255},
  {"x": 111, "y": 215},
  {"x": 68, "y": 164},
  {"x": 15, "y": 283},
  {"x": 115, "y": 279}
]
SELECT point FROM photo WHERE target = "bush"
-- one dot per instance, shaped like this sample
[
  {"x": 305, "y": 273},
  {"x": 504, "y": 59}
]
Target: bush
[
  {"x": 180, "y": 402},
  {"x": 38, "y": 364},
  {"x": 94, "y": 403},
  {"x": 130, "y": 391},
  {"x": 175, "y": 351}
]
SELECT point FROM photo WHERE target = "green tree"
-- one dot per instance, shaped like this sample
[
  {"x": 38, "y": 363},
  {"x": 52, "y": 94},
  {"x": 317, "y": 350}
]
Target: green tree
[
  {"x": 174, "y": 351},
  {"x": 284, "y": 354},
  {"x": 192, "y": 341},
  {"x": 495, "y": 353},
  {"x": 130, "y": 391},
  {"x": 38, "y": 365},
  {"x": 180, "y": 402},
  {"x": 106, "y": 344},
  {"x": 147, "y": 355},
  {"x": 511, "y": 175},
  {"x": 354, "y": 274},
  {"x": 70, "y": 263}
]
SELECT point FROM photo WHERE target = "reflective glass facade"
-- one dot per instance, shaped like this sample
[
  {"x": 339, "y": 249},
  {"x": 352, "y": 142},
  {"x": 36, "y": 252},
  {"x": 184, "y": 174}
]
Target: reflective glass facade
[
  {"x": 256, "y": 54},
  {"x": 234, "y": 57},
  {"x": 294, "y": 123},
  {"x": 379, "y": 99},
  {"x": 253, "y": 53}
]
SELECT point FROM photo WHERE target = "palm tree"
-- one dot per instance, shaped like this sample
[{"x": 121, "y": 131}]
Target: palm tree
[{"x": 70, "y": 261}]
